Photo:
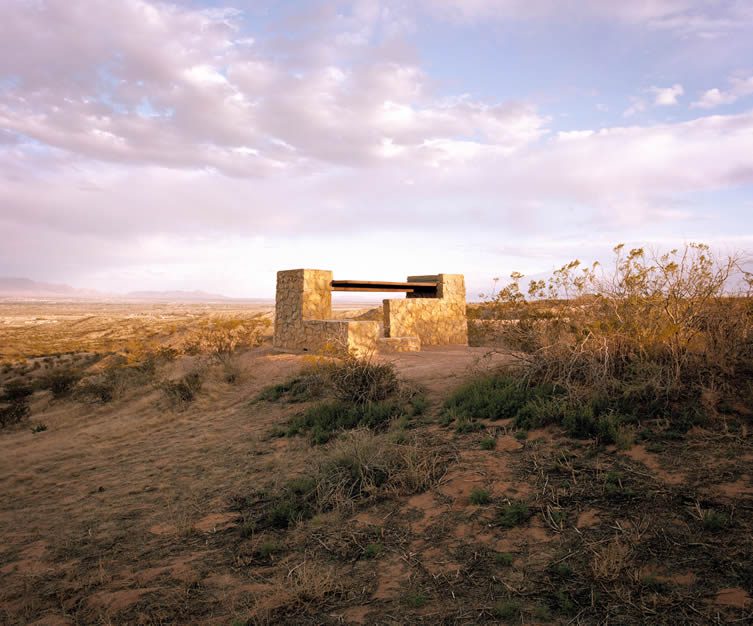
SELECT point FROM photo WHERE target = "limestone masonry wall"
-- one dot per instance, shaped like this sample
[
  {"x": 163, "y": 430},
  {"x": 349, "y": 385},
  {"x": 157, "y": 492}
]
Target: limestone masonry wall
[
  {"x": 302, "y": 295},
  {"x": 303, "y": 315},
  {"x": 435, "y": 321}
]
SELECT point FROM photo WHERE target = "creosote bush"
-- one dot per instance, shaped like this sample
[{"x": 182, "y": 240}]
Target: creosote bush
[
  {"x": 181, "y": 392},
  {"x": 14, "y": 403},
  {"x": 659, "y": 336},
  {"x": 60, "y": 382},
  {"x": 113, "y": 382},
  {"x": 221, "y": 337}
]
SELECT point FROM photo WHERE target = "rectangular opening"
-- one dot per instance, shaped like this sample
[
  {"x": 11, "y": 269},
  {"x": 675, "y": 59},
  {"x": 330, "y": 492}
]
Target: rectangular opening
[{"x": 425, "y": 288}]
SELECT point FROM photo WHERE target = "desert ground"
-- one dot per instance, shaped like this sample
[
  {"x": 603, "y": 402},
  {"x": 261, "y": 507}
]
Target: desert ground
[{"x": 135, "y": 508}]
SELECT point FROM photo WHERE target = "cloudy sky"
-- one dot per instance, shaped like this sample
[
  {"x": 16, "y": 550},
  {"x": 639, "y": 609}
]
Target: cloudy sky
[{"x": 205, "y": 144}]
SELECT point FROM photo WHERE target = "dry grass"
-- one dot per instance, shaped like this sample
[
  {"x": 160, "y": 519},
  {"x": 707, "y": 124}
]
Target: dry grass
[{"x": 120, "y": 512}]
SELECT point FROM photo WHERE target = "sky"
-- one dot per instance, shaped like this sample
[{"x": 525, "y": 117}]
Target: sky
[{"x": 208, "y": 144}]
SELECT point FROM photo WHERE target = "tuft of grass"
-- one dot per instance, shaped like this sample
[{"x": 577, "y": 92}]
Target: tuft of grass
[
  {"x": 561, "y": 570},
  {"x": 373, "y": 550},
  {"x": 507, "y": 610},
  {"x": 359, "y": 466},
  {"x": 376, "y": 400},
  {"x": 415, "y": 599},
  {"x": 513, "y": 514},
  {"x": 714, "y": 521},
  {"x": 465, "y": 424},
  {"x": 480, "y": 496},
  {"x": 488, "y": 443},
  {"x": 38, "y": 428},
  {"x": 307, "y": 385},
  {"x": 325, "y": 420},
  {"x": 267, "y": 549},
  {"x": 361, "y": 380},
  {"x": 504, "y": 558}
]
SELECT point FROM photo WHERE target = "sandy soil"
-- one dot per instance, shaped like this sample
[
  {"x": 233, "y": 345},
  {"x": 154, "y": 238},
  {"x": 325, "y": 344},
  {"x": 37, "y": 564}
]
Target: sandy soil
[
  {"x": 121, "y": 513},
  {"x": 113, "y": 503}
]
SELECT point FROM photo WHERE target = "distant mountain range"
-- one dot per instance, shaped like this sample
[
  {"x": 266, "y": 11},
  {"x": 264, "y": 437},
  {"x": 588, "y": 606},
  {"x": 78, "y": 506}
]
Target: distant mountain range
[{"x": 25, "y": 288}]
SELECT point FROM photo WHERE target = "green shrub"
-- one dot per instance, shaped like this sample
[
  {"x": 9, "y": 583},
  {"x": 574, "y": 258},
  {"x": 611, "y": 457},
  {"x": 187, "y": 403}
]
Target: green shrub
[
  {"x": 513, "y": 514},
  {"x": 480, "y": 496},
  {"x": 507, "y": 610},
  {"x": 714, "y": 521},
  {"x": 373, "y": 550},
  {"x": 498, "y": 396},
  {"x": 504, "y": 558},
  {"x": 488, "y": 443},
  {"x": 324, "y": 420},
  {"x": 305, "y": 386},
  {"x": 415, "y": 599}
]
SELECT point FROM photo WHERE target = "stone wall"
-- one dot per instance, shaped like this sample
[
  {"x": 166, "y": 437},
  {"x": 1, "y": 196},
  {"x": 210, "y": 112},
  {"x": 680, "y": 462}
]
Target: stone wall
[
  {"x": 435, "y": 321},
  {"x": 303, "y": 317},
  {"x": 337, "y": 337},
  {"x": 301, "y": 295}
]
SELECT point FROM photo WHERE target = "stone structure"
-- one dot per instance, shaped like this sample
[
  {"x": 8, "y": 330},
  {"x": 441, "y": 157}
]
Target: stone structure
[{"x": 433, "y": 313}]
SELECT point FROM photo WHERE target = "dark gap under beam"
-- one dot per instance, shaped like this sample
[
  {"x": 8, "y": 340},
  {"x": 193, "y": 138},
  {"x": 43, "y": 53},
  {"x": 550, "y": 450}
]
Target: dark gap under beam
[{"x": 375, "y": 285}]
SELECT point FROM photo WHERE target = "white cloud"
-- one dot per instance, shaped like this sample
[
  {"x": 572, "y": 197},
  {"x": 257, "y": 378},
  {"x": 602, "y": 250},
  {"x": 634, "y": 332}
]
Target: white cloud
[
  {"x": 175, "y": 132},
  {"x": 666, "y": 96},
  {"x": 638, "y": 105},
  {"x": 739, "y": 88},
  {"x": 705, "y": 20},
  {"x": 224, "y": 97}
]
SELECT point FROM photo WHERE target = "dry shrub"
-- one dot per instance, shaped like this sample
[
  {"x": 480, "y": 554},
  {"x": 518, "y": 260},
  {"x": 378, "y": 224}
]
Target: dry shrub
[
  {"x": 14, "y": 403},
  {"x": 650, "y": 335},
  {"x": 300, "y": 591},
  {"x": 182, "y": 391},
  {"x": 350, "y": 379},
  {"x": 610, "y": 560},
  {"x": 359, "y": 466},
  {"x": 221, "y": 337},
  {"x": 362, "y": 464},
  {"x": 114, "y": 382},
  {"x": 361, "y": 380}
]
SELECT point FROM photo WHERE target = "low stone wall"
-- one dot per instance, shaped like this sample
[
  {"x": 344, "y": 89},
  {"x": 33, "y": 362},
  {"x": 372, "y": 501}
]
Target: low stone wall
[
  {"x": 434, "y": 321},
  {"x": 340, "y": 337}
]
